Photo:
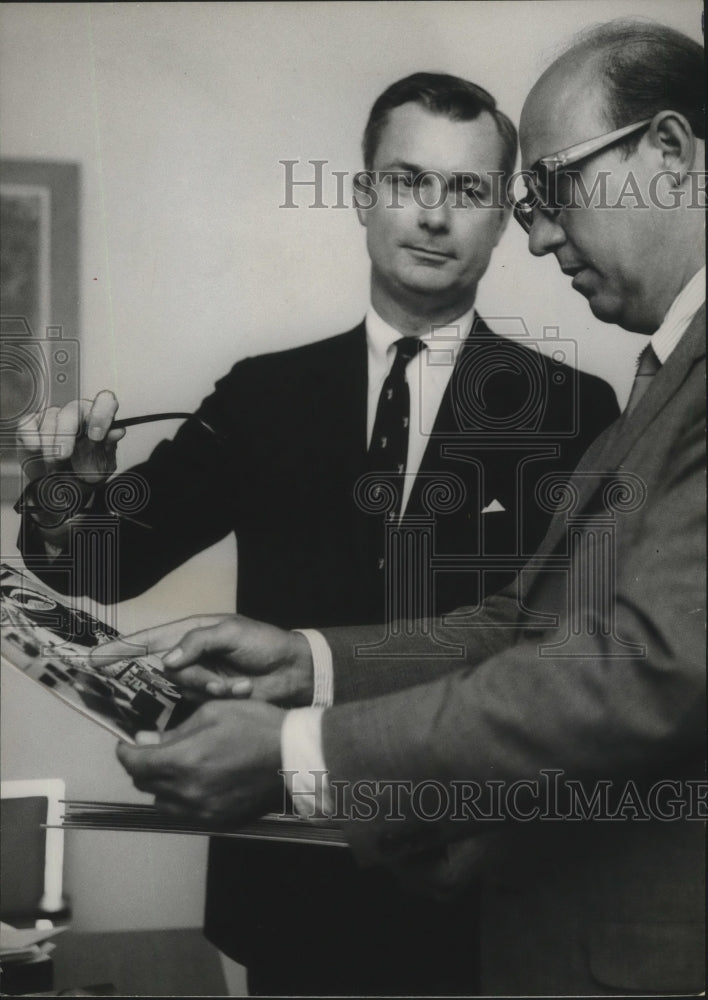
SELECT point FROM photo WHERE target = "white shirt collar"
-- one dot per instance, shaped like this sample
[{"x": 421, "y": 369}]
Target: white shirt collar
[
  {"x": 679, "y": 315},
  {"x": 381, "y": 336}
]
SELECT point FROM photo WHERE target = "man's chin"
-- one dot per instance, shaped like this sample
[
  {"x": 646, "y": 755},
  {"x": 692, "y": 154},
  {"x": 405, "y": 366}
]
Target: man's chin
[
  {"x": 608, "y": 311},
  {"x": 428, "y": 281}
]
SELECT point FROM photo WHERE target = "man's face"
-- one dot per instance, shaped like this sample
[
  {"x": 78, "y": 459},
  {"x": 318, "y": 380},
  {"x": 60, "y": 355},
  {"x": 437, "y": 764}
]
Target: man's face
[
  {"x": 429, "y": 249},
  {"x": 612, "y": 254}
]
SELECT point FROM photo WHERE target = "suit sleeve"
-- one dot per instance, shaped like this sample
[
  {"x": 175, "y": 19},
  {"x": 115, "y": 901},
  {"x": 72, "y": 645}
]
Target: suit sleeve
[
  {"x": 187, "y": 498},
  {"x": 368, "y": 661},
  {"x": 519, "y": 711}
]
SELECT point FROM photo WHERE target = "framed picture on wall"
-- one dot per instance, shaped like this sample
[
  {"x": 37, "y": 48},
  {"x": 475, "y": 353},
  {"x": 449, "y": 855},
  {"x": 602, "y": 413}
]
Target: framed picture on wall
[{"x": 39, "y": 292}]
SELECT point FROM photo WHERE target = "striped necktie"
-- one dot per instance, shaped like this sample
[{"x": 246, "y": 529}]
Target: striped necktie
[{"x": 647, "y": 367}]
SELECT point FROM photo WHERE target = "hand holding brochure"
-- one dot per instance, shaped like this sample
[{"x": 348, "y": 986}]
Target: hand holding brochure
[{"x": 50, "y": 640}]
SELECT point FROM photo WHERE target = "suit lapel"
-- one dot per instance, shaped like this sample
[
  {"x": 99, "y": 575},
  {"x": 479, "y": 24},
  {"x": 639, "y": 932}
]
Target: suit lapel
[
  {"x": 664, "y": 386},
  {"x": 607, "y": 453},
  {"x": 344, "y": 404},
  {"x": 447, "y": 425}
]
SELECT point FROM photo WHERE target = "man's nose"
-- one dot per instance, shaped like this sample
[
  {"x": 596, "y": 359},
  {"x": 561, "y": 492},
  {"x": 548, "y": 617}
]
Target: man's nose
[
  {"x": 434, "y": 209},
  {"x": 545, "y": 235},
  {"x": 436, "y": 219}
]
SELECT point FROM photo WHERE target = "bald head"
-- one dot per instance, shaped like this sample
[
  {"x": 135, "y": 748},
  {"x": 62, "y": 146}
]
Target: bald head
[
  {"x": 624, "y": 71},
  {"x": 566, "y": 106},
  {"x": 632, "y": 247}
]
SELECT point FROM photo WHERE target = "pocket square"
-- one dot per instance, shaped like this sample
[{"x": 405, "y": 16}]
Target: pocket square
[{"x": 493, "y": 508}]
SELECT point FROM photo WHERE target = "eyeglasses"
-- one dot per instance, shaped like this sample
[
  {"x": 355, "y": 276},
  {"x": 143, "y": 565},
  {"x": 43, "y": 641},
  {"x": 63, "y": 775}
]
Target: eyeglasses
[{"x": 541, "y": 177}]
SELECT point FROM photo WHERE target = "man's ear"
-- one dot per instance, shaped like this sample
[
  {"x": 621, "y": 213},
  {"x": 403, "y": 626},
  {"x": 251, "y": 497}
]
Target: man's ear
[
  {"x": 503, "y": 222},
  {"x": 364, "y": 195},
  {"x": 671, "y": 135}
]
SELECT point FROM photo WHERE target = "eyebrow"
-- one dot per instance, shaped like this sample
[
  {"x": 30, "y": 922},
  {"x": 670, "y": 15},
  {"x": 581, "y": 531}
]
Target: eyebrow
[
  {"x": 413, "y": 168},
  {"x": 407, "y": 168}
]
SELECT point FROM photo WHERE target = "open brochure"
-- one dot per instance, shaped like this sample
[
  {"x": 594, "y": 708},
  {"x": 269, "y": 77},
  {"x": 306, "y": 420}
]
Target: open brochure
[{"x": 50, "y": 640}]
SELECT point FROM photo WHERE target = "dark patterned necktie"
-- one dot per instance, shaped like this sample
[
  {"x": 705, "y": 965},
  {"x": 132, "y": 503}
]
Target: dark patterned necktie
[
  {"x": 647, "y": 367},
  {"x": 388, "y": 451}
]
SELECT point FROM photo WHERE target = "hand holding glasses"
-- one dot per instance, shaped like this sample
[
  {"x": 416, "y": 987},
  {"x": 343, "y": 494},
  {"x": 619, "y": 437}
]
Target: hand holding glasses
[{"x": 93, "y": 461}]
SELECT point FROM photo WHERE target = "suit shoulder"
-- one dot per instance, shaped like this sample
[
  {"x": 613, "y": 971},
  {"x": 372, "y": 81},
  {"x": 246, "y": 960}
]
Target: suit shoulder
[
  {"x": 304, "y": 358},
  {"x": 322, "y": 351},
  {"x": 557, "y": 372},
  {"x": 593, "y": 383}
]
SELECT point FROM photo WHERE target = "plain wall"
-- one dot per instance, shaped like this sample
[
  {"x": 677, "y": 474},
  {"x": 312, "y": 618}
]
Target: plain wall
[{"x": 178, "y": 115}]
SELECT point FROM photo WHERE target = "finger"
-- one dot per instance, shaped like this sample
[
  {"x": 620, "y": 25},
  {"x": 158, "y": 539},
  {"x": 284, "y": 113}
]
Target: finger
[
  {"x": 270, "y": 687},
  {"x": 195, "y": 677},
  {"x": 171, "y": 806},
  {"x": 69, "y": 425},
  {"x": 29, "y": 447},
  {"x": 149, "y": 640},
  {"x": 221, "y": 638},
  {"x": 148, "y": 765},
  {"x": 206, "y": 680},
  {"x": 50, "y": 452},
  {"x": 28, "y": 434},
  {"x": 148, "y": 737},
  {"x": 234, "y": 687},
  {"x": 101, "y": 414}
]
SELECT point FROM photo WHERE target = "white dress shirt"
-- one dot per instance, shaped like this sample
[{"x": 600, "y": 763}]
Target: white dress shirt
[
  {"x": 301, "y": 733},
  {"x": 427, "y": 375},
  {"x": 678, "y": 316}
]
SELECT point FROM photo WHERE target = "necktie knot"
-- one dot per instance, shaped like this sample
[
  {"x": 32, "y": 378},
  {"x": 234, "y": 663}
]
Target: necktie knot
[
  {"x": 647, "y": 362},
  {"x": 647, "y": 366},
  {"x": 406, "y": 349}
]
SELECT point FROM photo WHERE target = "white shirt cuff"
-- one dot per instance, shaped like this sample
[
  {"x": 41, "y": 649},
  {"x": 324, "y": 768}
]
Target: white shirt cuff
[
  {"x": 304, "y": 769},
  {"x": 323, "y": 679}
]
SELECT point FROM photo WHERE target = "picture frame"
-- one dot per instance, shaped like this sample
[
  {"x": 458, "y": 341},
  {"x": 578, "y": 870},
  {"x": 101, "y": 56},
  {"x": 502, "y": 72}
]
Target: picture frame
[{"x": 39, "y": 290}]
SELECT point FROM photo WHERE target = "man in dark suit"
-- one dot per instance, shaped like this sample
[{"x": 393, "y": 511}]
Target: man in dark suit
[
  {"x": 290, "y": 453},
  {"x": 581, "y": 694}
]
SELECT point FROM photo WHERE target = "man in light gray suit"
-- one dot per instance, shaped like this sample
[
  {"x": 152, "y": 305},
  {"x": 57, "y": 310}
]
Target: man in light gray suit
[{"x": 551, "y": 741}]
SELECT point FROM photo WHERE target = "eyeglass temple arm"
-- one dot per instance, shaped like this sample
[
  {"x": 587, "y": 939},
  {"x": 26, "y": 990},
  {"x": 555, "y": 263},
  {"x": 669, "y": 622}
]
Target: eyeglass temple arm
[
  {"x": 149, "y": 418},
  {"x": 583, "y": 149}
]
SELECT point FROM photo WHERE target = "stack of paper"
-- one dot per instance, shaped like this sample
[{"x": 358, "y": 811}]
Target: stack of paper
[{"x": 81, "y": 815}]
